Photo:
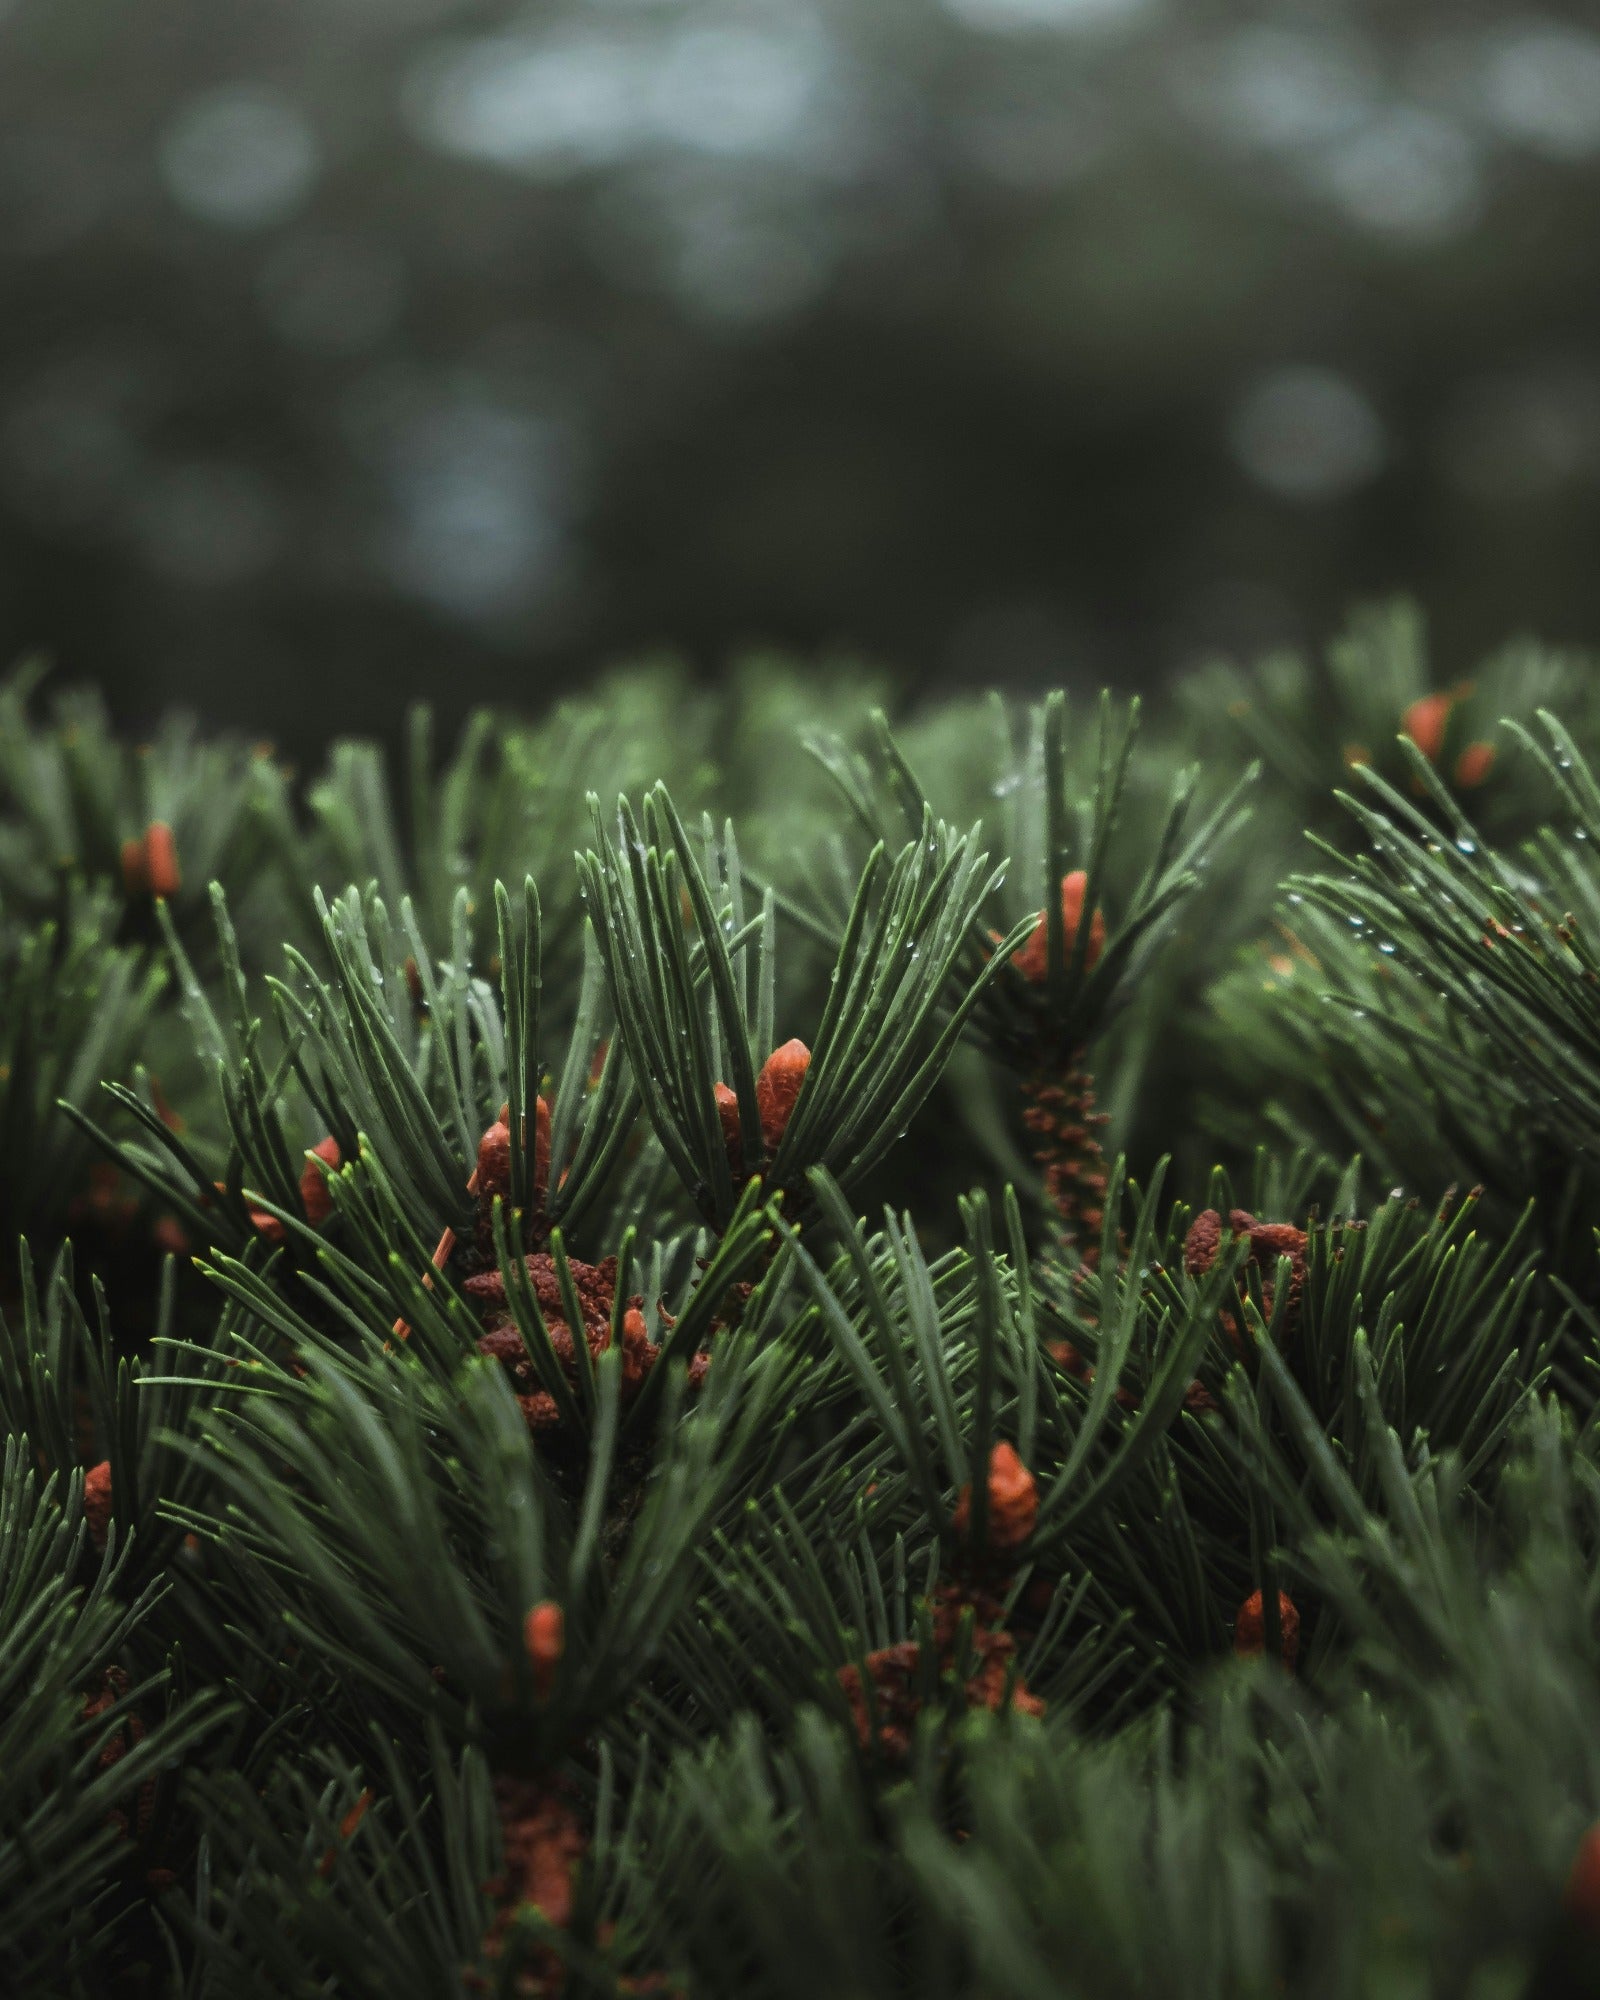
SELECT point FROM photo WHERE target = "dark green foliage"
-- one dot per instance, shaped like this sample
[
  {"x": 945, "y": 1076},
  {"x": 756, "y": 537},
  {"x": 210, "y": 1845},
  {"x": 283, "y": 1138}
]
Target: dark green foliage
[
  {"x": 629, "y": 1545},
  {"x": 66, "y": 1620},
  {"x": 74, "y": 1009}
]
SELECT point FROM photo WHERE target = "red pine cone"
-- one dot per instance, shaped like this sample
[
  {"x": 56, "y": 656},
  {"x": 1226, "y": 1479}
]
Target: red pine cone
[
  {"x": 1013, "y": 1501},
  {"x": 314, "y": 1196},
  {"x": 892, "y": 1670},
  {"x": 1033, "y": 961},
  {"x": 895, "y": 1671},
  {"x": 131, "y": 1729},
  {"x": 1268, "y": 1242},
  {"x": 542, "y": 1844},
  {"x": 1203, "y": 1241},
  {"x": 595, "y": 1286},
  {"x": 1249, "y": 1628},
  {"x": 777, "y": 1088}
]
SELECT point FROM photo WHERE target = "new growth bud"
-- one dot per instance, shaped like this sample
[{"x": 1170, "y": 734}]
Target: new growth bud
[
  {"x": 777, "y": 1087},
  {"x": 544, "y": 1640},
  {"x": 1013, "y": 1502},
  {"x": 1033, "y": 961},
  {"x": 1249, "y": 1628},
  {"x": 150, "y": 864},
  {"x": 314, "y": 1196}
]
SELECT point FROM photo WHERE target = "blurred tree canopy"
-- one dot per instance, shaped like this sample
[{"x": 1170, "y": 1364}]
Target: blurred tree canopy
[{"x": 351, "y": 346}]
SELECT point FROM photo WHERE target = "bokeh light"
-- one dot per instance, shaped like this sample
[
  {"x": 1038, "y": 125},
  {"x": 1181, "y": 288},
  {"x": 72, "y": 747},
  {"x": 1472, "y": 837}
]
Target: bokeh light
[
  {"x": 1037, "y": 337},
  {"x": 241, "y": 156}
]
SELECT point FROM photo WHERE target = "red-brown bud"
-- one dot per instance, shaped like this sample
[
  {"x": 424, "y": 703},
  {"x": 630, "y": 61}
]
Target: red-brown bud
[
  {"x": 1249, "y": 1628},
  {"x": 314, "y": 1196},
  {"x": 732, "y": 1135},
  {"x": 544, "y": 1639},
  {"x": 1013, "y": 1501},
  {"x": 171, "y": 1238},
  {"x": 150, "y": 864},
  {"x": 97, "y": 1501},
  {"x": 1474, "y": 765},
  {"x": 1204, "y": 1240},
  {"x": 161, "y": 859},
  {"x": 1424, "y": 722},
  {"x": 541, "y": 1151},
  {"x": 494, "y": 1158},
  {"x": 347, "y": 1826},
  {"x": 265, "y": 1225},
  {"x": 639, "y": 1351},
  {"x": 1269, "y": 1241},
  {"x": 1581, "y": 1897},
  {"x": 1202, "y": 1243},
  {"x": 129, "y": 1732},
  {"x": 777, "y": 1088},
  {"x": 1033, "y": 961}
]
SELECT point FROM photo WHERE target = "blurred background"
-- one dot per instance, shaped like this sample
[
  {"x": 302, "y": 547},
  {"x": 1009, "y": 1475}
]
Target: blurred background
[{"x": 358, "y": 349}]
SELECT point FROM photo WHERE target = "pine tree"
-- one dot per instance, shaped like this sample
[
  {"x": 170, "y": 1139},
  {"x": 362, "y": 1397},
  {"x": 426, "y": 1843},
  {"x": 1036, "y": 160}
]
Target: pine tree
[{"x": 947, "y": 1363}]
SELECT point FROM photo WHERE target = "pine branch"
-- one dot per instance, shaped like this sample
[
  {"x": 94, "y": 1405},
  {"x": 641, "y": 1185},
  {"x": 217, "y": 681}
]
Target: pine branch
[{"x": 676, "y": 954}]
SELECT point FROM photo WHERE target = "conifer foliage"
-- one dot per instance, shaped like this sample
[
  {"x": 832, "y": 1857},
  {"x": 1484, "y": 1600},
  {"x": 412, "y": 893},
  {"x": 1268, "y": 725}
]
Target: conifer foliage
[{"x": 949, "y": 1363}]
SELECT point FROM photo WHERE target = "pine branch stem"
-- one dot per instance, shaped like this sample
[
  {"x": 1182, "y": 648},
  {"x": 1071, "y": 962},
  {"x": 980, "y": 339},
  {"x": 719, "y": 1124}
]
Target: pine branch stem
[{"x": 1059, "y": 1110}]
